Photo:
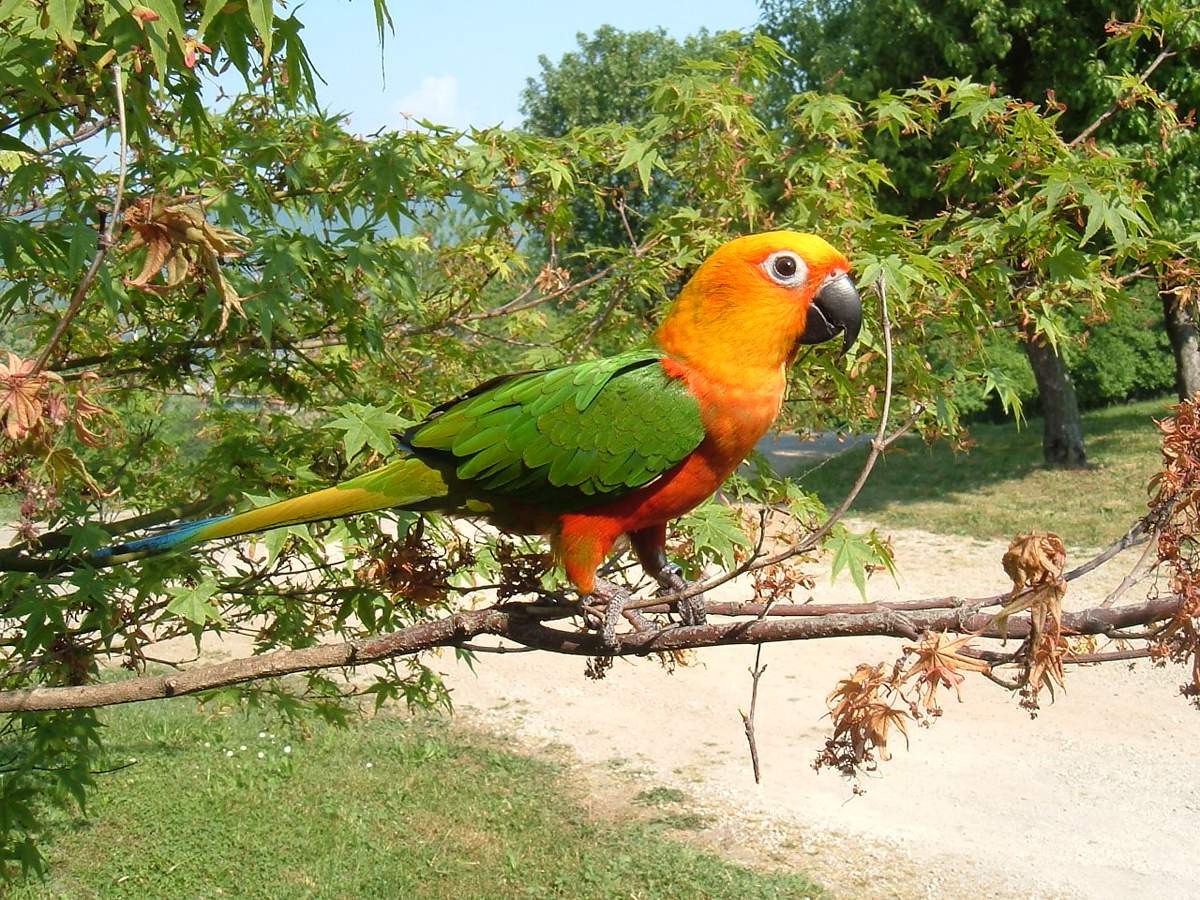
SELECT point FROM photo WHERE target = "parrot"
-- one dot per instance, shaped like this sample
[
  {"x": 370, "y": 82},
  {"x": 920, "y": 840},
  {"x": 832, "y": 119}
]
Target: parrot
[{"x": 588, "y": 452}]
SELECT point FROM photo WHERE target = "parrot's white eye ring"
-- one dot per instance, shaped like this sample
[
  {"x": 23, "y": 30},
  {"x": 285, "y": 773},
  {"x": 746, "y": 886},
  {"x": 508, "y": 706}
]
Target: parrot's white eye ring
[{"x": 785, "y": 268}]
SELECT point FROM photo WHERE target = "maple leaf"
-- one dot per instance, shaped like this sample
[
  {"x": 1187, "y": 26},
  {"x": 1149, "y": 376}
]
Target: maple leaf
[
  {"x": 1035, "y": 563},
  {"x": 863, "y": 716},
  {"x": 940, "y": 664},
  {"x": 551, "y": 278},
  {"x": 21, "y": 389},
  {"x": 1045, "y": 667},
  {"x": 192, "y": 48},
  {"x": 85, "y": 410},
  {"x": 1033, "y": 559},
  {"x": 179, "y": 239}
]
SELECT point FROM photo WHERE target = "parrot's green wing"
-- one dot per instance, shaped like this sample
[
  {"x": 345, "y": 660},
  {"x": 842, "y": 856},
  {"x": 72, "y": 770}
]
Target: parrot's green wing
[{"x": 588, "y": 431}]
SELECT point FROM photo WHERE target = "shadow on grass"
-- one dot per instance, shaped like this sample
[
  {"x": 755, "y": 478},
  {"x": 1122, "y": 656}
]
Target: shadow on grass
[{"x": 1004, "y": 469}]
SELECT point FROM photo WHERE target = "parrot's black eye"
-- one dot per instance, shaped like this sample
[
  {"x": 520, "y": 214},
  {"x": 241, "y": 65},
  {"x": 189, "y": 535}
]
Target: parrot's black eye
[{"x": 786, "y": 268}]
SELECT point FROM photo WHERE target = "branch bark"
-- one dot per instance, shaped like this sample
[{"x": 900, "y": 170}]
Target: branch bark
[{"x": 514, "y": 623}]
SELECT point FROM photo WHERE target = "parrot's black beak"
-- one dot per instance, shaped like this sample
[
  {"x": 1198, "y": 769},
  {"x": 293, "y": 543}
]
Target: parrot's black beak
[{"x": 835, "y": 307}]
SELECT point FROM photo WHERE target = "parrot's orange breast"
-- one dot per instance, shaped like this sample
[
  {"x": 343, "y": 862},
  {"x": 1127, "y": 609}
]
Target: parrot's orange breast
[{"x": 735, "y": 417}]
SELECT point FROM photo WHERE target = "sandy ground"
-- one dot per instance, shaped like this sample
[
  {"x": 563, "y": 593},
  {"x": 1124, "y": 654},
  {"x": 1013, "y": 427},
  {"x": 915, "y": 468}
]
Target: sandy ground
[{"x": 1097, "y": 797}]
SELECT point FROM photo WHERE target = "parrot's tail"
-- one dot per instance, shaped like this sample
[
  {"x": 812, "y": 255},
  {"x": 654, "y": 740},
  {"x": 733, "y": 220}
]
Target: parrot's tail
[{"x": 405, "y": 483}]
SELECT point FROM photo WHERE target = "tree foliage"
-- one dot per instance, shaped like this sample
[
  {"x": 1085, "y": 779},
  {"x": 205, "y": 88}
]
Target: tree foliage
[
  {"x": 250, "y": 299},
  {"x": 1121, "y": 73},
  {"x": 610, "y": 79},
  {"x": 1083, "y": 54}
]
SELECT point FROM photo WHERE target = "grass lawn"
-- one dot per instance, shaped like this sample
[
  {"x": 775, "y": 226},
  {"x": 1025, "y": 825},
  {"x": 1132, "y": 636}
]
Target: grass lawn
[
  {"x": 10, "y": 509},
  {"x": 218, "y": 806},
  {"x": 1001, "y": 486}
]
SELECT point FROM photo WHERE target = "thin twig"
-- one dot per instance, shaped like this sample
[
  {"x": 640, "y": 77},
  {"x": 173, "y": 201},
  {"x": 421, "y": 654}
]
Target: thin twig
[
  {"x": 1119, "y": 100},
  {"x": 105, "y": 240},
  {"x": 998, "y": 658},
  {"x": 620, "y": 204},
  {"x": 581, "y": 344},
  {"x": 82, "y": 133},
  {"x": 499, "y": 648},
  {"x": 1135, "y": 535},
  {"x": 1133, "y": 576},
  {"x": 748, "y": 718}
]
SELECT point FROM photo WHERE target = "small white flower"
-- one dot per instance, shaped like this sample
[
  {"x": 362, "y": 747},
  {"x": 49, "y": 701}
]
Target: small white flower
[
  {"x": 243, "y": 747},
  {"x": 207, "y": 745},
  {"x": 261, "y": 755},
  {"x": 261, "y": 735},
  {"x": 370, "y": 765},
  {"x": 228, "y": 753},
  {"x": 287, "y": 748}
]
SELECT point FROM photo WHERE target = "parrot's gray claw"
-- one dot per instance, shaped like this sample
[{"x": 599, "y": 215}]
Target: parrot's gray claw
[
  {"x": 612, "y": 615},
  {"x": 615, "y": 600},
  {"x": 690, "y": 609}
]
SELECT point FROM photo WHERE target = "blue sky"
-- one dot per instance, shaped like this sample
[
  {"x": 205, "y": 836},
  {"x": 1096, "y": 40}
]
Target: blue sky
[{"x": 464, "y": 62}]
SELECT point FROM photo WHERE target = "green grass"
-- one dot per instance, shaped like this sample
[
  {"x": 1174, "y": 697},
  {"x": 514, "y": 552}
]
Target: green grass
[
  {"x": 10, "y": 508},
  {"x": 385, "y": 808},
  {"x": 1001, "y": 487},
  {"x": 659, "y": 796}
]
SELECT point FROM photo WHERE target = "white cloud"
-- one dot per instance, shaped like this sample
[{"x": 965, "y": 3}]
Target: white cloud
[{"x": 436, "y": 99}]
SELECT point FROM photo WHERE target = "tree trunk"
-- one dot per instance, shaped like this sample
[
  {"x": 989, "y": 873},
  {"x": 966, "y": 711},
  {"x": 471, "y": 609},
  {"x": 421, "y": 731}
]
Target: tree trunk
[
  {"x": 1181, "y": 327},
  {"x": 1062, "y": 434}
]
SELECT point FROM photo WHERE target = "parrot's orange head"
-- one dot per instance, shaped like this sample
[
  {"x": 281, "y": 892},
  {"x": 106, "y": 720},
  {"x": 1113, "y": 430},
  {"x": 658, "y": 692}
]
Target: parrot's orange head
[{"x": 756, "y": 299}]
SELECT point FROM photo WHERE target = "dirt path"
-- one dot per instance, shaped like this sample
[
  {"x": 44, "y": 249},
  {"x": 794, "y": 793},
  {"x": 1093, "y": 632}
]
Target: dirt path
[{"x": 1097, "y": 797}]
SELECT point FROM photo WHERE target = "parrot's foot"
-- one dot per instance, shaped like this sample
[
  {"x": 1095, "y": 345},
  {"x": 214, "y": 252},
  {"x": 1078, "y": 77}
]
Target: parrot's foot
[
  {"x": 691, "y": 609},
  {"x": 614, "y": 601}
]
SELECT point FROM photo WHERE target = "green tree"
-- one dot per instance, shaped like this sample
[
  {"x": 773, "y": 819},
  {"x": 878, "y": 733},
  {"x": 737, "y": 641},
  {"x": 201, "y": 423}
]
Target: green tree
[
  {"x": 609, "y": 80},
  {"x": 1100, "y": 74}
]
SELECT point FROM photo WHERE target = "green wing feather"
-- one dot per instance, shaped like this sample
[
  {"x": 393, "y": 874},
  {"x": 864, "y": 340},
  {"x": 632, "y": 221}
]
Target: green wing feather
[{"x": 597, "y": 429}]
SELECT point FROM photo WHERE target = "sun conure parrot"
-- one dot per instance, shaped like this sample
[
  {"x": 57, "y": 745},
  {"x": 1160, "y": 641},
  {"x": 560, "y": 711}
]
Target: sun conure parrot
[{"x": 590, "y": 451}]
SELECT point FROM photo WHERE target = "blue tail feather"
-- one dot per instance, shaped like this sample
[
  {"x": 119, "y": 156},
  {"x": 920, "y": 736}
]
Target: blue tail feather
[{"x": 158, "y": 543}]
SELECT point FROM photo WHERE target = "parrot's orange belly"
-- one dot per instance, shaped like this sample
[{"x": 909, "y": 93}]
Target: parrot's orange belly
[{"x": 735, "y": 418}]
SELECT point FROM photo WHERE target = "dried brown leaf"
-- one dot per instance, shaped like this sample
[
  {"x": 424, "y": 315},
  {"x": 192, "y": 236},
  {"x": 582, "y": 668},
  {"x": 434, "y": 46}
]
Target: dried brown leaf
[{"x": 939, "y": 664}]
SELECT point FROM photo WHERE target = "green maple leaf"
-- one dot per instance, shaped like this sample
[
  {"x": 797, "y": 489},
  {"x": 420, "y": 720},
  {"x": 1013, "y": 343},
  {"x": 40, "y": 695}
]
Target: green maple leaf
[{"x": 192, "y": 603}]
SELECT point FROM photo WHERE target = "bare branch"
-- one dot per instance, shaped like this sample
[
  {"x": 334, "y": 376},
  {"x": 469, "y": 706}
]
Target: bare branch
[
  {"x": 1119, "y": 100},
  {"x": 102, "y": 245},
  {"x": 620, "y": 204},
  {"x": 1131, "y": 538},
  {"x": 756, "y": 673},
  {"x": 511, "y": 622}
]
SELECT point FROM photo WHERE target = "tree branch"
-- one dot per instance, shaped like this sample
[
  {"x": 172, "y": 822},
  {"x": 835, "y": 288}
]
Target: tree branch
[
  {"x": 1164, "y": 54},
  {"x": 756, "y": 672},
  {"x": 102, "y": 245},
  {"x": 511, "y": 621}
]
